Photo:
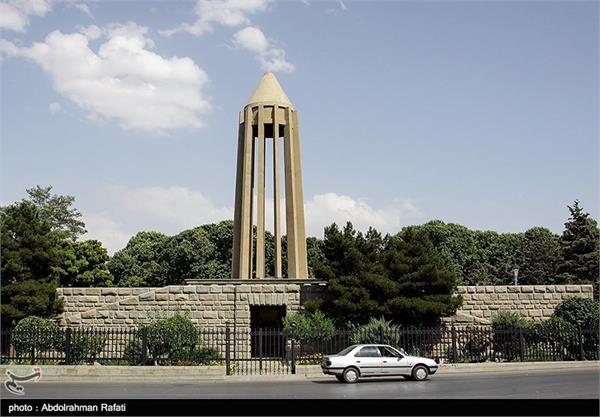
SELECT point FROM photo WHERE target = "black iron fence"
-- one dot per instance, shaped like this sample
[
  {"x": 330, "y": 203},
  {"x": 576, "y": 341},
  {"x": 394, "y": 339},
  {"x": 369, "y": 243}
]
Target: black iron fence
[{"x": 273, "y": 351}]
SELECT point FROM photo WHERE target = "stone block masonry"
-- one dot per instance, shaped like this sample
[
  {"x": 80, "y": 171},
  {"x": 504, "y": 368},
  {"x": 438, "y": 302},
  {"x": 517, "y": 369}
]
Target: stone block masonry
[
  {"x": 208, "y": 303},
  {"x": 536, "y": 302},
  {"x": 213, "y": 304}
]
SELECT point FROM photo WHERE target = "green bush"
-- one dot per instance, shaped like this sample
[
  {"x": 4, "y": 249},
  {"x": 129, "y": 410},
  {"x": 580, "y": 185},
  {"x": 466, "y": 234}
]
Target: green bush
[
  {"x": 376, "y": 331},
  {"x": 35, "y": 334},
  {"x": 133, "y": 353},
  {"x": 86, "y": 346},
  {"x": 170, "y": 337},
  {"x": 310, "y": 327},
  {"x": 584, "y": 312},
  {"x": 554, "y": 336},
  {"x": 506, "y": 339},
  {"x": 509, "y": 319},
  {"x": 196, "y": 356}
]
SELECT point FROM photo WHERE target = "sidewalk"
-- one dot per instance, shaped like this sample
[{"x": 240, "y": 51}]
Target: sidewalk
[{"x": 189, "y": 374}]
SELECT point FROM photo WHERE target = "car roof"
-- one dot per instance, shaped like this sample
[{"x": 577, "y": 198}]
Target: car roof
[{"x": 372, "y": 344}]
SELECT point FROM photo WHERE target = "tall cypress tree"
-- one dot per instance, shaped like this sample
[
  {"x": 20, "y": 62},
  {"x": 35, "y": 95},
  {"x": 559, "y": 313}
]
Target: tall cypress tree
[
  {"x": 579, "y": 248},
  {"x": 31, "y": 259}
]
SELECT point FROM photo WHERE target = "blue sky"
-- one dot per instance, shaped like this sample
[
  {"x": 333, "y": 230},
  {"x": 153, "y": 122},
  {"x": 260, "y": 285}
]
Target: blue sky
[{"x": 481, "y": 113}]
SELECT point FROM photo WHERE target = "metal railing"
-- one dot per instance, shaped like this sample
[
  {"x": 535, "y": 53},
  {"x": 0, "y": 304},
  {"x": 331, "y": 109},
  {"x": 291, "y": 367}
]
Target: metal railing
[{"x": 273, "y": 351}]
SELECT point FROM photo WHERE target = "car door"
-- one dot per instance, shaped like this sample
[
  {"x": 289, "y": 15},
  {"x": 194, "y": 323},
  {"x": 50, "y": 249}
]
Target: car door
[
  {"x": 368, "y": 360},
  {"x": 393, "y": 362}
]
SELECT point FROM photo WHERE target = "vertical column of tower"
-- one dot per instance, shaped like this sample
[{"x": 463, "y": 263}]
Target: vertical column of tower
[
  {"x": 237, "y": 258},
  {"x": 242, "y": 241},
  {"x": 288, "y": 163},
  {"x": 276, "y": 196},
  {"x": 252, "y": 181},
  {"x": 260, "y": 221},
  {"x": 301, "y": 260}
]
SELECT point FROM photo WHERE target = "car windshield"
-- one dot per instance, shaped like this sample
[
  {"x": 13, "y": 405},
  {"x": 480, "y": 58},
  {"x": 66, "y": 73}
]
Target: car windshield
[{"x": 346, "y": 351}]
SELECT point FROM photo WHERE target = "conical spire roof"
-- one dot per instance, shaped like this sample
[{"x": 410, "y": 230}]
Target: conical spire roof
[{"x": 269, "y": 90}]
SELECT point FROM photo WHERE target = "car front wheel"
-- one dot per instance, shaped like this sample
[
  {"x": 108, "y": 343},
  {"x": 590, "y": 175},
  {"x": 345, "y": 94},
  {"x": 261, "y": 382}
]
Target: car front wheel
[
  {"x": 350, "y": 375},
  {"x": 420, "y": 373}
]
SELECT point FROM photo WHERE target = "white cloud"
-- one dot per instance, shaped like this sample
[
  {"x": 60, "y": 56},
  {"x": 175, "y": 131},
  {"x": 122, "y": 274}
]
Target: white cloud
[
  {"x": 271, "y": 57},
  {"x": 229, "y": 13},
  {"x": 92, "y": 32},
  {"x": 55, "y": 107},
  {"x": 323, "y": 209},
  {"x": 124, "y": 79},
  {"x": 14, "y": 14},
  {"x": 177, "y": 208},
  {"x": 252, "y": 39},
  {"x": 173, "y": 209},
  {"x": 85, "y": 9},
  {"x": 102, "y": 227}
]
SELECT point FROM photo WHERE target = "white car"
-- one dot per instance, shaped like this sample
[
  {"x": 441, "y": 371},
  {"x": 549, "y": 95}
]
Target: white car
[{"x": 358, "y": 361}]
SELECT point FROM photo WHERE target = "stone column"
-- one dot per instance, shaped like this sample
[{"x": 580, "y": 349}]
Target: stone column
[
  {"x": 276, "y": 196},
  {"x": 260, "y": 221},
  {"x": 296, "y": 239}
]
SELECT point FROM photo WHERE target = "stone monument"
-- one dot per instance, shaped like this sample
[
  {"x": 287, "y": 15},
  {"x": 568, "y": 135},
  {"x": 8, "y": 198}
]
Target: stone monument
[{"x": 269, "y": 116}]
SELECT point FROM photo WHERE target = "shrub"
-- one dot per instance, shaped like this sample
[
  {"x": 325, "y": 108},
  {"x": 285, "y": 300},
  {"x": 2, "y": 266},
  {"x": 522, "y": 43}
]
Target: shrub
[
  {"x": 509, "y": 319},
  {"x": 584, "y": 312},
  {"x": 86, "y": 346},
  {"x": 196, "y": 356},
  {"x": 35, "y": 334},
  {"x": 554, "y": 335},
  {"x": 170, "y": 336},
  {"x": 506, "y": 339},
  {"x": 133, "y": 352},
  {"x": 376, "y": 331},
  {"x": 309, "y": 327}
]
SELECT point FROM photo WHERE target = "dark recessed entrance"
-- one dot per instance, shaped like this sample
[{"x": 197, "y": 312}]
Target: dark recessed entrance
[{"x": 266, "y": 325}]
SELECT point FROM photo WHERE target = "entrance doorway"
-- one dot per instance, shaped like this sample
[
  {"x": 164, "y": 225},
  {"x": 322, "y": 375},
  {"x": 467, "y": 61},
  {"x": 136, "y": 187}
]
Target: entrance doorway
[{"x": 266, "y": 327}]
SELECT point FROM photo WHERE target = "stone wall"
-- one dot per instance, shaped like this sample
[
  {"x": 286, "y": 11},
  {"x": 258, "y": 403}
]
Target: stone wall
[
  {"x": 537, "y": 302},
  {"x": 214, "y": 303},
  {"x": 210, "y": 304}
]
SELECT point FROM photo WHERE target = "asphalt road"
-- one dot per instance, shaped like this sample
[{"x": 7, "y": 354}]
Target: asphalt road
[{"x": 574, "y": 383}]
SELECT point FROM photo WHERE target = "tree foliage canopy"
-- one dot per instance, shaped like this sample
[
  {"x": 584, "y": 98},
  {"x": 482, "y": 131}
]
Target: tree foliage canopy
[
  {"x": 579, "y": 246},
  {"x": 399, "y": 278}
]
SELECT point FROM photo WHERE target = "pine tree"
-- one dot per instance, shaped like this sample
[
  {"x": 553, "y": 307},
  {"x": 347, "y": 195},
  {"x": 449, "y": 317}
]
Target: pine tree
[{"x": 579, "y": 248}]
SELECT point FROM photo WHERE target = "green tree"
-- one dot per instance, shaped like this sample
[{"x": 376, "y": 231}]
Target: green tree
[
  {"x": 537, "y": 256},
  {"x": 139, "y": 263},
  {"x": 31, "y": 256},
  {"x": 85, "y": 265},
  {"x": 579, "y": 248},
  {"x": 400, "y": 278},
  {"x": 191, "y": 254},
  {"x": 57, "y": 210},
  {"x": 314, "y": 254}
]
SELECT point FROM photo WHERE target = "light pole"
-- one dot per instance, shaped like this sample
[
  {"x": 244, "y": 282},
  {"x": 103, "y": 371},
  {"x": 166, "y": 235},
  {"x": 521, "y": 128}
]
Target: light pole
[{"x": 516, "y": 274}]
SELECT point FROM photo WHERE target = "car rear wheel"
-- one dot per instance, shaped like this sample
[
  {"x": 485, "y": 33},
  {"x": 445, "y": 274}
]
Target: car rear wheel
[
  {"x": 340, "y": 378},
  {"x": 420, "y": 373},
  {"x": 350, "y": 375}
]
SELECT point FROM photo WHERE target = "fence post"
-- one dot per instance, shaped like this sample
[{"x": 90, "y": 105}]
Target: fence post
[
  {"x": 144, "y": 345},
  {"x": 293, "y": 335},
  {"x": 260, "y": 349},
  {"x": 68, "y": 346},
  {"x": 227, "y": 350},
  {"x": 521, "y": 345},
  {"x": 454, "y": 347},
  {"x": 580, "y": 341}
]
